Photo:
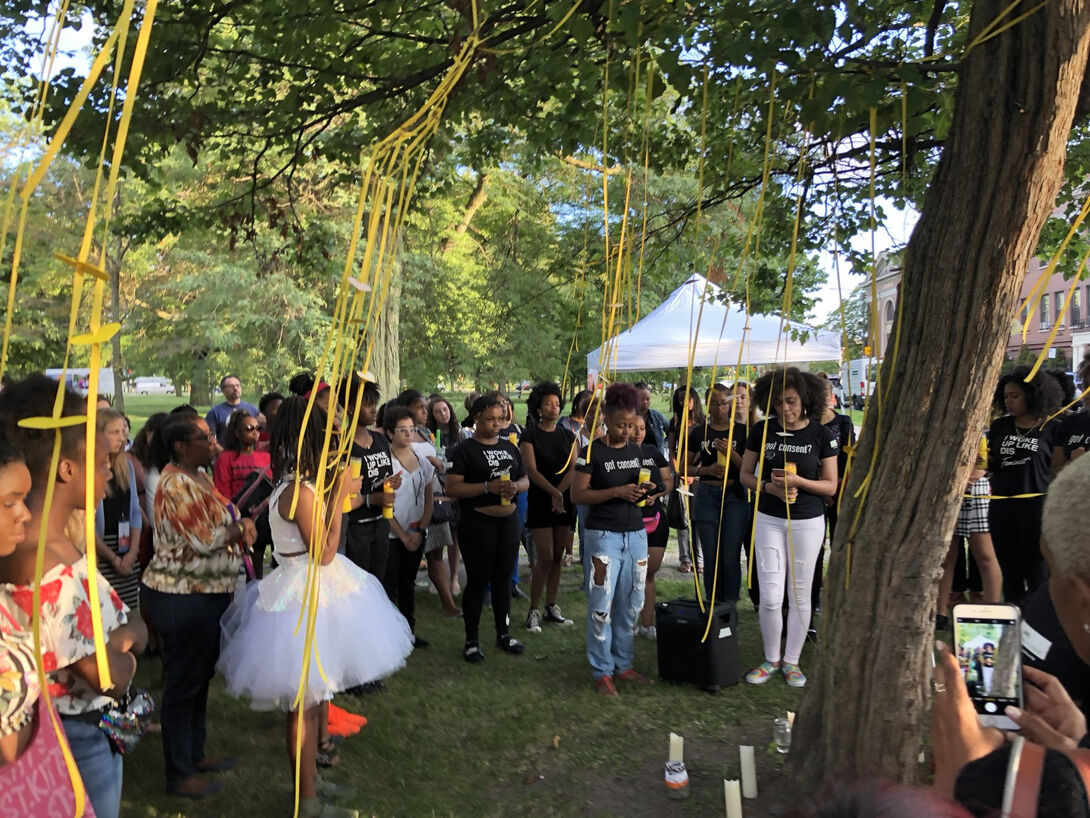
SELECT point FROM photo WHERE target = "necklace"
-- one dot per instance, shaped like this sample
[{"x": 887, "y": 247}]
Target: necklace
[{"x": 1023, "y": 431}]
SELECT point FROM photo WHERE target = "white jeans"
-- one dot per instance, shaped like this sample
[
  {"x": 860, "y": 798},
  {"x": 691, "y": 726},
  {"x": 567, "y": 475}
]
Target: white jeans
[{"x": 782, "y": 549}]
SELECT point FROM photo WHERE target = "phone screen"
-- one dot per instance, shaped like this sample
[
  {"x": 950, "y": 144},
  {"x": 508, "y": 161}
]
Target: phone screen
[{"x": 989, "y": 652}]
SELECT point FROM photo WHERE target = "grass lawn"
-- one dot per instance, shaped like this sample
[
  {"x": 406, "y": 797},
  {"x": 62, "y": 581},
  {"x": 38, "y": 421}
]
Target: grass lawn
[
  {"x": 140, "y": 407},
  {"x": 512, "y": 736}
]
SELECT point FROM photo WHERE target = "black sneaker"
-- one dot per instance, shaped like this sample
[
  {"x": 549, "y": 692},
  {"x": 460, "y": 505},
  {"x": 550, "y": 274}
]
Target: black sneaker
[
  {"x": 508, "y": 644},
  {"x": 420, "y": 643},
  {"x": 555, "y": 617},
  {"x": 376, "y": 686},
  {"x": 517, "y": 592},
  {"x": 472, "y": 653}
]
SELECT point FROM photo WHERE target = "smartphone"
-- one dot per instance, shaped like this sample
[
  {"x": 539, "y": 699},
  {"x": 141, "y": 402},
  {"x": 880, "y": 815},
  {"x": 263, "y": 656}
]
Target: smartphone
[{"x": 988, "y": 646}]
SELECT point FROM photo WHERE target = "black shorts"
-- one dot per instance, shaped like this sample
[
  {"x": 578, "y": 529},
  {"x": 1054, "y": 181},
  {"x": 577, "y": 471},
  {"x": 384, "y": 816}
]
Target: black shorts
[{"x": 539, "y": 510}]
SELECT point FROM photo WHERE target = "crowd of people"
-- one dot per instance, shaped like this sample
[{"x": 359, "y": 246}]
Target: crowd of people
[{"x": 187, "y": 509}]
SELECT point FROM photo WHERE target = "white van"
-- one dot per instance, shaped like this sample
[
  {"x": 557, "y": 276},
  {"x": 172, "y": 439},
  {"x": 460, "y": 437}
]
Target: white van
[
  {"x": 152, "y": 386},
  {"x": 79, "y": 379}
]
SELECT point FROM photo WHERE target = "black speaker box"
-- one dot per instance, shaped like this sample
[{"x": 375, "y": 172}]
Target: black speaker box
[{"x": 683, "y": 658}]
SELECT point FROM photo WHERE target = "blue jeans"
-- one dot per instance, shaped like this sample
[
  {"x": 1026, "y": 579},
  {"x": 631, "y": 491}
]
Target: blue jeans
[
  {"x": 728, "y": 530},
  {"x": 99, "y": 766},
  {"x": 522, "y": 503},
  {"x": 581, "y": 528},
  {"x": 617, "y": 561}
]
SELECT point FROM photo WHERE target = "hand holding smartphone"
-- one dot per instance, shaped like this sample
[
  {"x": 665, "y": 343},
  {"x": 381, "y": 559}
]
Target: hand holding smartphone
[{"x": 988, "y": 647}]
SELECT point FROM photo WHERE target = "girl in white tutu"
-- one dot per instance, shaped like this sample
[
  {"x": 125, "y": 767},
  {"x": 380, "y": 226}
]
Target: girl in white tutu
[{"x": 359, "y": 636}]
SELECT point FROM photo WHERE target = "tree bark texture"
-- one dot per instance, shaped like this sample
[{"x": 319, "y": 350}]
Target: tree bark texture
[
  {"x": 113, "y": 267},
  {"x": 868, "y": 699},
  {"x": 476, "y": 199}
]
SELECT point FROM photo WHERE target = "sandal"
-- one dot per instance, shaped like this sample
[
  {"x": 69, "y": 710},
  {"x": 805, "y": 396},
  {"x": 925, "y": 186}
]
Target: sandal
[
  {"x": 685, "y": 568},
  {"x": 327, "y": 754}
]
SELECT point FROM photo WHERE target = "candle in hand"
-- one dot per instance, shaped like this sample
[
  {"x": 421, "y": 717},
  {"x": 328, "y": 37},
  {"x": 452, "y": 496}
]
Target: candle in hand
[
  {"x": 677, "y": 747},
  {"x": 749, "y": 771}
]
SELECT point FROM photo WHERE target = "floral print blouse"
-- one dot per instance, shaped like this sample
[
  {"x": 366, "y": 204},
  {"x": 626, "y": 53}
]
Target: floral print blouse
[
  {"x": 67, "y": 634},
  {"x": 192, "y": 553}
]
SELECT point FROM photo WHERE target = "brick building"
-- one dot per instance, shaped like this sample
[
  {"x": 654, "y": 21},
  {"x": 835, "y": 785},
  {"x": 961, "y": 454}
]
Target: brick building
[{"x": 1072, "y": 337}]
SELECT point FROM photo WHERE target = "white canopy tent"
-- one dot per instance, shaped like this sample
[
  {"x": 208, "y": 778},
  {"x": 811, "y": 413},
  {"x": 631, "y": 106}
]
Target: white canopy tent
[{"x": 664, "y": 338}]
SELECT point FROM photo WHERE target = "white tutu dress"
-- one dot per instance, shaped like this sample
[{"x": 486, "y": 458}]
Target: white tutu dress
[{"x": 359, "y": 635}]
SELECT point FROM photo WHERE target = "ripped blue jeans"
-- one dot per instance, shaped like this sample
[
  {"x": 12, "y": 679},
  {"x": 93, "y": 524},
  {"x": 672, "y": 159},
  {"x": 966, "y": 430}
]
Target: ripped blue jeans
[{"x": 616, "y": 564}]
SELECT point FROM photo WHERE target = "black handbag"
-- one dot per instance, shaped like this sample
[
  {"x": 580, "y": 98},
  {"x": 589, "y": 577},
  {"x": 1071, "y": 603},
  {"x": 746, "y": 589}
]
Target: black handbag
[
  {"x": 677, "y": 514},
  {"x": 444, "y": 510},
  {"x": 252, "y": 500}
]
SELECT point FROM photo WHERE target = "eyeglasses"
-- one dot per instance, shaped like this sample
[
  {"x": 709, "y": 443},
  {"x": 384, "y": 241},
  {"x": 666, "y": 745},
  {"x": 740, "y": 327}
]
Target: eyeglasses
[
  {"x": 405, "y": 429},
  {"x": 249, "y": 428},
  {"x": 202, "y": 438}
]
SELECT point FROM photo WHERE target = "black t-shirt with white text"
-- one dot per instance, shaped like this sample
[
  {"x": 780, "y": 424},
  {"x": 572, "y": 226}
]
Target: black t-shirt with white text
[
  {"x": 608, "y": 468},
  {"x": 806, "y": 448},
  {"x": 375, "y": 469},
  {"x": 654, "y": 461},
  {"x": 552, "y": 451},
  {"x": 1019, "y": 461},
  {"x": 477, "y": 462},
  {"x": 1074, "y": 433},
  {"x": 700, "y": 440}
]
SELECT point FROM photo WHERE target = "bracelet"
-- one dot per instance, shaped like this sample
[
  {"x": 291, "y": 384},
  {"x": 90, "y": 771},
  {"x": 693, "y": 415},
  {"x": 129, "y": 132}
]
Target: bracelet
[
  {"x": 485, "y": 484},
  {"x": 367, "y": 499}
]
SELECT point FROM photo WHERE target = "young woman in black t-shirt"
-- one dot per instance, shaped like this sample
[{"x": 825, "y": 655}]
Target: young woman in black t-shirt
[
  {"x": 366, "y": 539},
  {"x": 485, "y": 475},
  {"x": 844, "y": 430},
  {"x": 443, "y": 423},
  {"x": 654, "y": 522},
  {"x": 1020, "y": 448},
  {"x": 798, "y": 471},
  {"x": 1074, "y": 435},
  {"x": 688, "y": 545},
  {"x": 720, "y": 509},
  {"x": 607, "y": 480},
  {"x": 547, "y": 451}
]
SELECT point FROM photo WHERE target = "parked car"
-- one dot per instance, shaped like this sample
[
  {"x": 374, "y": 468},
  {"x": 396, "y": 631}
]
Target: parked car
[{"x": 152, "y": 386}]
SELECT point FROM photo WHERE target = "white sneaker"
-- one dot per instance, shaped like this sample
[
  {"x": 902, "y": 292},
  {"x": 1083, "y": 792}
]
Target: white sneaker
[
  {"x": 650, "y": 632},
  {"x": 555, "y": 617},
  {"x": 533, "y": 621}
]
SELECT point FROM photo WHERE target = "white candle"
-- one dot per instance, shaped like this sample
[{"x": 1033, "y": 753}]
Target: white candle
[
  {"x": 749, "y": 771},
  {"x": 732, "y": 794},
  {"x": 677, "y": 747}
]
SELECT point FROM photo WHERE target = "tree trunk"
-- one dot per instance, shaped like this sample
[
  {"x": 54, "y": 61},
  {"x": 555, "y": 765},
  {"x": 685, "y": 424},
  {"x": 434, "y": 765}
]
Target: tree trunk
[
  {"x": 1008, "y": 657},
  {"x": 113, "y": 267},
  {"x": 865, "y": 708},
  {"x": 476, "y": 199},
  {"x": 200, "y": 391}
]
